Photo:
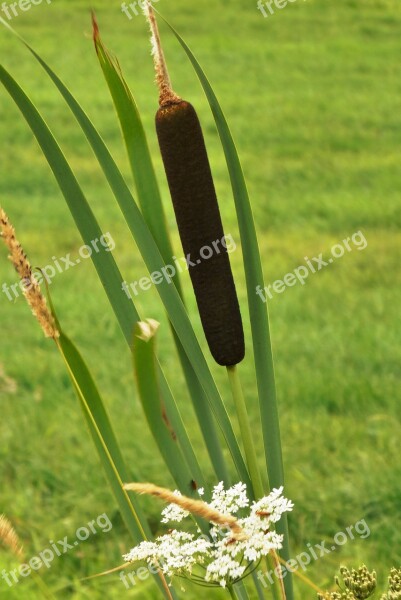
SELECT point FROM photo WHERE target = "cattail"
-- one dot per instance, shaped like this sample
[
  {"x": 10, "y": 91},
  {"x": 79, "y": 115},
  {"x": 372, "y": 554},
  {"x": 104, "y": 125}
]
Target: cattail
[
  {"x": 31, "y": 288},
  {"x": 198, "y": 216}
]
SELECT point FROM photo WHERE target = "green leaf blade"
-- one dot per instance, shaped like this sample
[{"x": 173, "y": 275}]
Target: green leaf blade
[
  {"x": 152, "y": 403},
  {"x": 137, "y": 148}
]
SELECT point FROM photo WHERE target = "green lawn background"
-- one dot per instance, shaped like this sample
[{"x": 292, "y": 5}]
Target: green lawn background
[{"x": 312, "y": 95}]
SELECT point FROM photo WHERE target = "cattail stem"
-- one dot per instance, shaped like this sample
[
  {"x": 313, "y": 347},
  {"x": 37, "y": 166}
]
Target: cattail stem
[
  {"x": 246, "y": 432},
  {"x": 252, "y": 461},
  {"x": 231, "y": 592}
]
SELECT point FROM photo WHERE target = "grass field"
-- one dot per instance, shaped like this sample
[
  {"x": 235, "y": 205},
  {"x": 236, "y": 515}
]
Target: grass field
[{"x": 312, "y": 97}]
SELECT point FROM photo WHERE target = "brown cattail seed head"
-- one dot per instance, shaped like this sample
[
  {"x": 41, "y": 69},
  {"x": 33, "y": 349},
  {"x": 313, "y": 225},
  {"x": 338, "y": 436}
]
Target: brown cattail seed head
[
  {"x": 199, "y": 223},
  {"x": 197, "y": 212}
]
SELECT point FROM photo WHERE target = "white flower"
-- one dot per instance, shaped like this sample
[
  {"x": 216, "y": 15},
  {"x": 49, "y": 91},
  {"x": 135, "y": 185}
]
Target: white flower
[
  {"x": 274, "y": 505},
  {"x": 173, "y": 513},
  {"x": 224, "y": 558},
  {"x": 229, "y": 501},
  {"x": 175, "y": 552},
  {"x": 142, "y": 552},
  {"x": 224, "y": 568}
]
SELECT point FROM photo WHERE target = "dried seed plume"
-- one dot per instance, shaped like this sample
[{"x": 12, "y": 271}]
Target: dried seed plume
[
  {"x": 9, "y": 538},
  {"x": 166, "y": 93},
  {"x": 195, "y": 507},
  {"x": 31, "y": 288}
]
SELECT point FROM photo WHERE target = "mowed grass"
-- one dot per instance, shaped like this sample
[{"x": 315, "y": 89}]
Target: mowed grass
[{"x": 312, "y": 97}]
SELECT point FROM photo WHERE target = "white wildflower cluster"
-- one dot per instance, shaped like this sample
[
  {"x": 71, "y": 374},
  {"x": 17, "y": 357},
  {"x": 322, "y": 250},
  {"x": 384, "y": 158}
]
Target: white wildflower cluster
[
  {"x": 229, "y": 501},
  {"x": 176, "y": 552},
  {"x": 173, "y": 513},
  {"x": 219, "y": 558}
]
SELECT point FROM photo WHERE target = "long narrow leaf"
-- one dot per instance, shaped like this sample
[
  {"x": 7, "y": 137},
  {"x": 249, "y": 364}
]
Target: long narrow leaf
[
  {"x": 105, "y": 441},
  {"x": 103, "y": 437},
  {"x": 144, "y": 362},
  {"x": 204, "y": 415}
]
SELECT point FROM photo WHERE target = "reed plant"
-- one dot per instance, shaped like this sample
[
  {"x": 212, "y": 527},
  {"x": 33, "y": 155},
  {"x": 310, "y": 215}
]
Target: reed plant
[{"x": 199, "y": 224}]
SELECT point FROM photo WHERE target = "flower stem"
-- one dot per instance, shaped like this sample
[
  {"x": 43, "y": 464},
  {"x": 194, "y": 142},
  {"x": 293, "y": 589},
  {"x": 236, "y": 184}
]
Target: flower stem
[
  {"x": 246, "y": 432},
  {"x": 232, "y": 593},
  {"x": 251, "y": 459}
]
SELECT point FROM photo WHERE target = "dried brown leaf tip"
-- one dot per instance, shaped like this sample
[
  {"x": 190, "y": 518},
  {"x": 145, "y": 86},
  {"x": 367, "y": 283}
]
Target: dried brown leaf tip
[
  {"x": 9, "y": 538},
  {"x": 31, "y": 288}
]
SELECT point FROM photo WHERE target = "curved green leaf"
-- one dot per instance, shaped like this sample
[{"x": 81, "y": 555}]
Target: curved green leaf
[
  {"x": 103, "y": 437},
  {"x": 137, "y": 148}
]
